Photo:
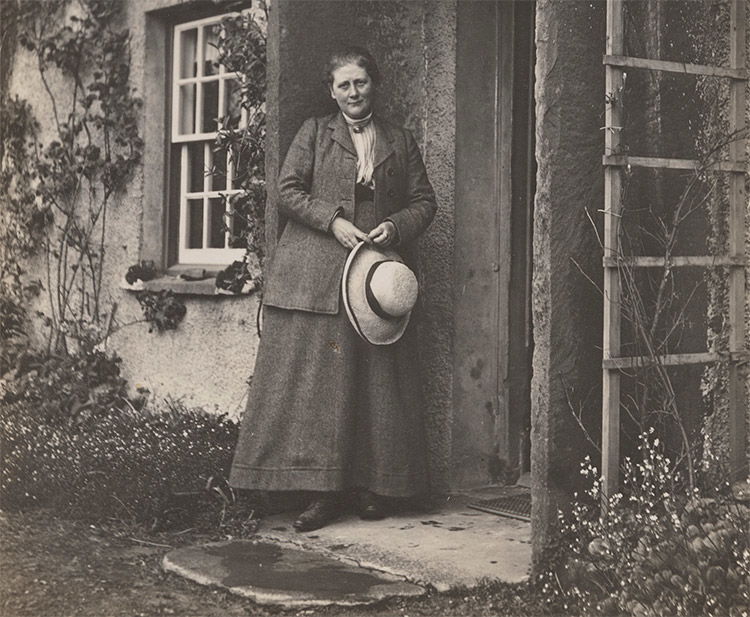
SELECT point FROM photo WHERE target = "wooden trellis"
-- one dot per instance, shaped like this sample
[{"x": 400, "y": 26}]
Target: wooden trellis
[{"x": 736, "y": 166}]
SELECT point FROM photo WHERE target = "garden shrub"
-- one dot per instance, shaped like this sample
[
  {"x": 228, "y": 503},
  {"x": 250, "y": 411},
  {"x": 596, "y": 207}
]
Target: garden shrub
[
  {"x": 658, "y": 548},
  {"x": 76, "y": 444},
  {"x": 66, "y": 388}
]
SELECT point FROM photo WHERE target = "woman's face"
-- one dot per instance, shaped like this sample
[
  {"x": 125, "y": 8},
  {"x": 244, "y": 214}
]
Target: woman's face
[{"x": 353, "y": 90}]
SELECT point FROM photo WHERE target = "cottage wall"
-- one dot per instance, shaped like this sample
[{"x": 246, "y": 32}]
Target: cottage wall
[
  {"x": 566, "y": 306},
  {"x": 208, "y": 359}
]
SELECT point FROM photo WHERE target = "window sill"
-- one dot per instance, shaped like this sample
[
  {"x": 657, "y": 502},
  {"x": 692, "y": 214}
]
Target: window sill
[{"x": 182, "y": 287}]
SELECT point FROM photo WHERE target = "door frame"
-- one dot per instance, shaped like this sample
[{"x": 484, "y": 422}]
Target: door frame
[{"x": 494, "y": 203}]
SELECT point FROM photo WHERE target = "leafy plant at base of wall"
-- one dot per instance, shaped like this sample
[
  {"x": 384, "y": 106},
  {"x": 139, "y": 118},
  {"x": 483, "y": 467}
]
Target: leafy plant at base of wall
[
  {"x": 657, "y": 549},
  {"x": 69, "y": 388},
  {"x": 242, "y": 50},
  {"x": 124, "y": 464},
  {"x": 94, "y": 151}
]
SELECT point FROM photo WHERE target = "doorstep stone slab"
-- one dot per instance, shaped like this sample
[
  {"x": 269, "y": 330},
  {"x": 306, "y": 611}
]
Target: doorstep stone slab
[
  {"x": 283, "y": 575},
  {"x": 453, "y": 546}
]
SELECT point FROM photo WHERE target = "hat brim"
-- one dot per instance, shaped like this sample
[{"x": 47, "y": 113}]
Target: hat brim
[{"x": 370, "y": 326}]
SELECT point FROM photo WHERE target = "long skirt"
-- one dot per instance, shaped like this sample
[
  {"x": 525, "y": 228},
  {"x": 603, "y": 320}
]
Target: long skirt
[{"x": 328, "y": 411}]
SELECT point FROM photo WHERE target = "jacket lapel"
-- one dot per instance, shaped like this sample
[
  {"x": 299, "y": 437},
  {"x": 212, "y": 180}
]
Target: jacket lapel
[
  {"x": 340, "y": 133},
  {"x": 383, "y": 143}
]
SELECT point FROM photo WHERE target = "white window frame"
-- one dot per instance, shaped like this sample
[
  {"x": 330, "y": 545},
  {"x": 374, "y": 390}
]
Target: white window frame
[{"x": 185, "y": 254}]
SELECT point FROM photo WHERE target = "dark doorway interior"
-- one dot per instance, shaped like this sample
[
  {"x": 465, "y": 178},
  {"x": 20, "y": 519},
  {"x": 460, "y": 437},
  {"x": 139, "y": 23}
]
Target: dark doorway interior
[
  {"x": 495, "y": 173},
  {"x": 523, "y": 164}
]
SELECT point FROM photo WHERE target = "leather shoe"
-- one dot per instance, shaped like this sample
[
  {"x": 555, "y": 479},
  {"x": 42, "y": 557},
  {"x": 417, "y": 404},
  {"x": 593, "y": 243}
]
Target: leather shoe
[
  {"x": 371, "y": 506},
  {"x": 318, "y": 514}
]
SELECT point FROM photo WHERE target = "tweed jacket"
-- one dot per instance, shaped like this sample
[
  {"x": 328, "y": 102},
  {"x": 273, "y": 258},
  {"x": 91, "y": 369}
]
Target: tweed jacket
[{"x": 316, "y": 182}]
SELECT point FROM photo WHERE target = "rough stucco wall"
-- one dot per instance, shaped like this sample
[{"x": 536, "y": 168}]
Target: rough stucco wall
[
  {"x": 414, "y": 43},
  {"x": 438, "y": 139},
  {"x": 207, "y": 360},
  {"x": 566, "y": 307}
]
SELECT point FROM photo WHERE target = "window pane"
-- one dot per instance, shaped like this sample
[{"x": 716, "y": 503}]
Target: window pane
[
  {"x": 188, "y": 44},
  {"x": 216, "y": 232},
  {"x": 186, "y": 121},
  {"x": 232, "y": 111},
  {"x": 210, "y": 51},
  {"x": 197, "y": 167},
  {"x": 218, "y": 179},
  {"x": 206, "y": 99},
  {"x": 195, "y": 224},
  {"x": 210, "y": 106}
]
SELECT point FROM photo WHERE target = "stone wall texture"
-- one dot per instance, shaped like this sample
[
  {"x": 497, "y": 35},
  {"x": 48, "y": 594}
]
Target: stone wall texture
[{"x": 566, "y": 306}]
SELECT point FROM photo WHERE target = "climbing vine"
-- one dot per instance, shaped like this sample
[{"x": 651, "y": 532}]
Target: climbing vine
[
  {"x": 23, "y": 220},
  {"x": 242, "y": 50},
  {"x": 73, "y": 174},
  {"x": 58, "y": 187}
]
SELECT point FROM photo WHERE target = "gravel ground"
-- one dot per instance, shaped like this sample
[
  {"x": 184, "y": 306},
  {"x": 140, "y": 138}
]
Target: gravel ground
[{"x": 58, "y": 568}]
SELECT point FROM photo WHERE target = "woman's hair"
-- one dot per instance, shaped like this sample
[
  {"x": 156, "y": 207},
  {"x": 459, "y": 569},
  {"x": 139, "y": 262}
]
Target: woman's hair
[{"x": 351, "y": 55}]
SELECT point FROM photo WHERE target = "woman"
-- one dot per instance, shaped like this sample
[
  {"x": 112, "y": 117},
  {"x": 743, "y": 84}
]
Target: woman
[{"x": 327, "y": 411}]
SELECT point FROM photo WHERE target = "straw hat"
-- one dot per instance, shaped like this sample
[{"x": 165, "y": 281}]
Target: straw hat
[{"x": 379, "y": 292}]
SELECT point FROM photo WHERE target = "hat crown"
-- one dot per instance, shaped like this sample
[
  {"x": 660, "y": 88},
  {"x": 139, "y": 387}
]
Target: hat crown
[
  {"x": 394, "y": 286},
  {"x": 378, "y": 292}
]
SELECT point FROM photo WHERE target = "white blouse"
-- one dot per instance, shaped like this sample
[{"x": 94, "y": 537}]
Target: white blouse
[{"x": 363, "y": 136}]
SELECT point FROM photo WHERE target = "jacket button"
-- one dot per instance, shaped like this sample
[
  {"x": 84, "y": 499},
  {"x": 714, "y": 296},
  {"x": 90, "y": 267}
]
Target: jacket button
[
  {"x": 391, "y": 193},
  {"x": 390, "y": 171}
]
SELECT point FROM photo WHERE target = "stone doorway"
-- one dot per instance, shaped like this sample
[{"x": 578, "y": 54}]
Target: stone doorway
[{"x": 495, "y": 173}]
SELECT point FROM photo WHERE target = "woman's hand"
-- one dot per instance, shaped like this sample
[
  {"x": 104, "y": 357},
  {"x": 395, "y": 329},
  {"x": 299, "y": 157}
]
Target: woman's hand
[
  {"x": 384, "y": 234},
  {"x": 348, "y": 234}
]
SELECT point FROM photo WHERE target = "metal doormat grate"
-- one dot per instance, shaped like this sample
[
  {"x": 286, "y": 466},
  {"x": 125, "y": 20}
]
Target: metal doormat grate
[{"x": 512, "y": 506}]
